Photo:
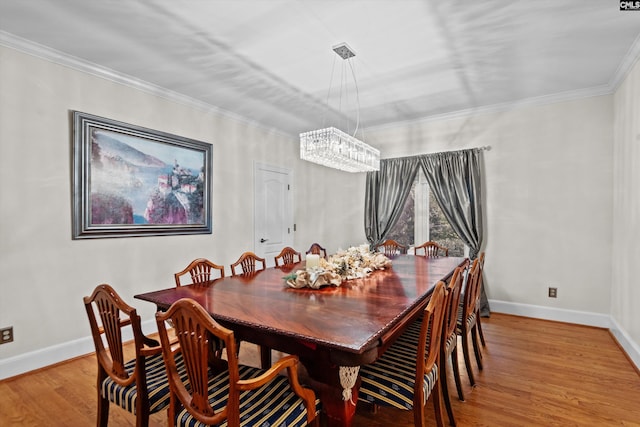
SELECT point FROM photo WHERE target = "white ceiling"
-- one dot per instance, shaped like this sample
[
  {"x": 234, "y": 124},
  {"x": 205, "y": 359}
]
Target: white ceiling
[{"x": 270, "y": 61}]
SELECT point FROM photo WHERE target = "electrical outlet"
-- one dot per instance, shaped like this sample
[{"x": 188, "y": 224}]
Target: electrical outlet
[
  {"x": 553, "y": 292},
  {"x": 6, "y": 335}
]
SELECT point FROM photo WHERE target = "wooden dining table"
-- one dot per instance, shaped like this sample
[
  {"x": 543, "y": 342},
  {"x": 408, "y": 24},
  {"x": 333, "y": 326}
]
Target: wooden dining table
[{"x": 333, "y": 330}]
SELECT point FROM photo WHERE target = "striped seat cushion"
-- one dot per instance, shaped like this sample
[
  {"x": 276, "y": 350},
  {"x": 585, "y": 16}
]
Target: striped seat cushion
[
  {"x": 390, "y": 380},
  {"x": 274, "y": 404},
  {"x": 470, "y": 320},
  {"x": 450, "y": 342},
  {"x": 157, "y": 385}
]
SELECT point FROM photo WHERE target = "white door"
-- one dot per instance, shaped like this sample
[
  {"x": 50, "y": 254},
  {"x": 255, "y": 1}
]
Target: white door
[{"x": 273, "y": 211}]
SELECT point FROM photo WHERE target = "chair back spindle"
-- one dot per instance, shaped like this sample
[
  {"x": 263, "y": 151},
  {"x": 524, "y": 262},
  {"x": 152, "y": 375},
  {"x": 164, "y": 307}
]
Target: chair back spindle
[
  {"x": 200, "y": 270},
  {"x": 249, "y": 263},
  {"x": 287, "y": 256}
]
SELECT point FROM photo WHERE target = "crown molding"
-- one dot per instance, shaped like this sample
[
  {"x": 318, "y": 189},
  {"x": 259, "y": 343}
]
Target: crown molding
[
  {"x": 52, "y": 55},
  {"x": 502, "y": 107},
  {"x": 625, "y": 65},
  {"x": 49, "y": 54}
]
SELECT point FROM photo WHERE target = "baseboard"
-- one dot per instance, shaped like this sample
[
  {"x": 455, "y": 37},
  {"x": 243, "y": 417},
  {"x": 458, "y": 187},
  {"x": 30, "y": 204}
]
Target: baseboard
[
  {"x": 572, "y": 316},
  {"x": 551, "y": 313},
  {"x": 44, "y": 357},
  {"x": 630, "y": 347}
]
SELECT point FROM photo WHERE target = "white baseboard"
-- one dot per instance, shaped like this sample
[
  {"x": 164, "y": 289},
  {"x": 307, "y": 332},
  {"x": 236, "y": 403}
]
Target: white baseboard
[
  {"x": 44, "y": 357},
  {"x": 572, "y": 316},
  {"x": 51, "y": 355},
  {"x": 550, "y": 313},
  {"x": 630, "y": 347}
]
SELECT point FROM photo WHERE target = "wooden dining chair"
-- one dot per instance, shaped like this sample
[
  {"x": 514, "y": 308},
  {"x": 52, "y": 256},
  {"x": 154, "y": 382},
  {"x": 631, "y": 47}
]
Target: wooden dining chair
[
  {"x": 467, "y": 325},
  {"x": 287, "y": 256},
  {"x": 139, "y": 385},
  {"x": 478, "y": 302},
  {"x": 315, "y": 248},
  {"x": 249, "y": 263},
  {"x": 406, "y": 375},
  {"x": 226, "y": 393},
  {"x": 449, "y": 341},
  {"x": 200, "y": 270},
  {"x": 431, "y": 249},
  {"x": 390, "y": 247}
]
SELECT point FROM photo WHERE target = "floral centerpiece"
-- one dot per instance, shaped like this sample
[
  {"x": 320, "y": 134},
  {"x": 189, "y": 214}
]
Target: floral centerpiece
[{"x": 354, "y": 263}]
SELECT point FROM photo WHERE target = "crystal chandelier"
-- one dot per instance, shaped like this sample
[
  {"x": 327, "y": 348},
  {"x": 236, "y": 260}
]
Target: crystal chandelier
[{"x": 334, "y": 148}]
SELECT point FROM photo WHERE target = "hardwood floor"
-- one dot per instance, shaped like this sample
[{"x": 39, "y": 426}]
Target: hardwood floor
[{"x": 536, "y": 373}]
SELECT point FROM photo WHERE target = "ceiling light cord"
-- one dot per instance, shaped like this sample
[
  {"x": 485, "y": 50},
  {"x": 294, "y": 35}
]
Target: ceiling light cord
[
  {"x": 345, "y": 91},
  {"x": 327, "y": 106},
  {"x": 332, "y": 147},
  {"x": 355, "y": 82}
]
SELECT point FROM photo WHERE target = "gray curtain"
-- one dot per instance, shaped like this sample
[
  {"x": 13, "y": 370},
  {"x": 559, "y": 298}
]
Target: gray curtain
[
  {"x": 386, "y": 192},
  {"x": 455, "y": 178}
]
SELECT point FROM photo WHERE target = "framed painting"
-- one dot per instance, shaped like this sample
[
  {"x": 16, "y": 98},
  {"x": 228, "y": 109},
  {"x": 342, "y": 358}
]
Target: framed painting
[{"x": 132, "y": 181}]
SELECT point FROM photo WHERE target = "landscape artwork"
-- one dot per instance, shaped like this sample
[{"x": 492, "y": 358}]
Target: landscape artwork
[{"x": 132, "y": 181}]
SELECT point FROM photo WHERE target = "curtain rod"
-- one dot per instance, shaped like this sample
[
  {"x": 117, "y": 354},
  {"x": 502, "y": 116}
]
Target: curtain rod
[{"x": 482, "y": 148}]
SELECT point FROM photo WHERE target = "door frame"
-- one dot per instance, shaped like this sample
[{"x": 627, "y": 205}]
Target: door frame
[{"x": 290, "y": 221}]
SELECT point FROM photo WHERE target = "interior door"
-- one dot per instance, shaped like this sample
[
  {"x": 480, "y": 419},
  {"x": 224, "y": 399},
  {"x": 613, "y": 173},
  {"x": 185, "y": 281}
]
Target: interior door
[{"x": 273, "y": 215}]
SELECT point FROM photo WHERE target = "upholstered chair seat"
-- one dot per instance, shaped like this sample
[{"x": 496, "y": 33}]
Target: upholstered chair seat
[
  {"x": 406, "y": 375},
  {"x": 223, "y": 392},
  {"x": 468, "y": 324},
  {"x": 274, "y": 404},
  {"x": 140, "y": 385},
  {"x": 390, "y": 381},
  {"x": 157, "y": 385}
]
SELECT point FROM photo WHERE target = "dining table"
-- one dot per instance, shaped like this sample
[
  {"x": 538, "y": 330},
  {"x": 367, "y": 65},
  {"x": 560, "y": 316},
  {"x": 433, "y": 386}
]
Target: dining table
[{"x": 333, "y": 330}]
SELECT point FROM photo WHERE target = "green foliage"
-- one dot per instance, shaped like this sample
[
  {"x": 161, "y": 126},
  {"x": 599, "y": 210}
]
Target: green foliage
[
  {"x": 403, "y": 231},
  {"x": 439, "y": 228}
]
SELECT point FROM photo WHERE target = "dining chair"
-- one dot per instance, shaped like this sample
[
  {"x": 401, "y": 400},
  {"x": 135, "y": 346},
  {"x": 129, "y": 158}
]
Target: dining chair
[
  {"x": 406, "y": 375},
  {"x": 139, "y": 385},
  {"x": 249, "y": 263},
  {"x": 286, "y": 256},
  {"x": 315, "y": 248},
  {"x": 200, "y": 270},
  {"x": 226, "y": 393},
  {"x": 467, "y": 324},
  {"x": 431, "y": 249},
  {"x": 449, "y": 341},
  {"x": 390, "y": 247},
  {"x": 478, "y": 317}
]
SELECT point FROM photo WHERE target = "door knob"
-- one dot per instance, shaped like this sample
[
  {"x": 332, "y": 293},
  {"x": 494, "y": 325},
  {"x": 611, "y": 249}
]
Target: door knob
[{"x": 263, "y": 240}]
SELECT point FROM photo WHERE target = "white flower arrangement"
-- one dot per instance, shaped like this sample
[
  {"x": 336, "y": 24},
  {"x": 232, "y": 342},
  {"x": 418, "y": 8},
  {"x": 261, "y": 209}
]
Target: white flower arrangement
[{"x": 355, "y": 262}]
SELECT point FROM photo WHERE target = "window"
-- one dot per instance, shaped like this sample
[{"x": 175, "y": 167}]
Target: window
[{"x": 422, "y": 220}]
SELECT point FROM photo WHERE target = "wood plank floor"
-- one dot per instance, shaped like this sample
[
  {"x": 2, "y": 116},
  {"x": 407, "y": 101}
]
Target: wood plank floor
[{"x": 536, "y": 373}]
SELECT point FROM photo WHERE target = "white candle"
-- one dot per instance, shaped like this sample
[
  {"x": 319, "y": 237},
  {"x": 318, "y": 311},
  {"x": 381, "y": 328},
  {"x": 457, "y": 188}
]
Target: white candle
[{"x": 313, "y": 260}]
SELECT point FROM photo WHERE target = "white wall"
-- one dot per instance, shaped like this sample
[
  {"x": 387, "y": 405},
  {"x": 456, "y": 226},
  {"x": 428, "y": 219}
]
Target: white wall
[
  {"x": 45, "y": 274},
  {"x": 548, "y": 196},
  {"x": 625, "y": 299}
]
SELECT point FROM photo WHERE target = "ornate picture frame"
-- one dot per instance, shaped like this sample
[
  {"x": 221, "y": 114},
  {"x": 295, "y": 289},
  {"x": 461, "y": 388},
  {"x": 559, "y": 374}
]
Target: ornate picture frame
[{"x": 132, "y": 181}]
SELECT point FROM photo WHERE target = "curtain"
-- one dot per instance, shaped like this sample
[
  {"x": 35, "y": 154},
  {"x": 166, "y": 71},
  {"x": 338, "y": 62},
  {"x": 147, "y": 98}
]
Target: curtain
[
  {"x": 386, "y": 192},
  {"x": 455, "y": 178}
]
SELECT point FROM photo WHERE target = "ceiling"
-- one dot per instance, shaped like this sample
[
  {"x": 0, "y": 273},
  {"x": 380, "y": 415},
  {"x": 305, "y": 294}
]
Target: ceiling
[{"x": 270, "y": 61}]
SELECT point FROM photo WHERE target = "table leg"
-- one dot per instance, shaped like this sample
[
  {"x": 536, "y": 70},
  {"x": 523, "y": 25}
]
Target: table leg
[
  {"x": 265, "y": 356},
  {"x": 325, "y": 379}
]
